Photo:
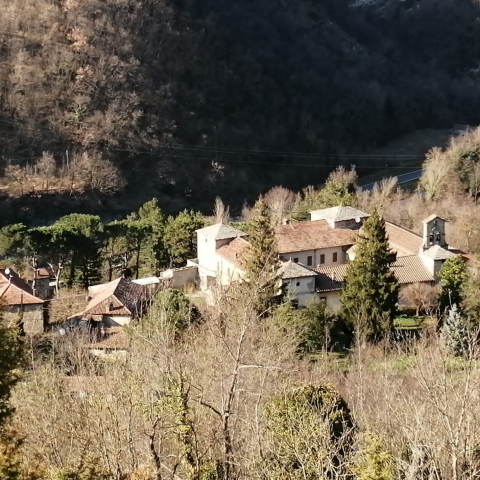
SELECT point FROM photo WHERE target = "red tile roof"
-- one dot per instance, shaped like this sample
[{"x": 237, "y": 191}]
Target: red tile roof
[
  {"x": 409, "y": 269},
  {"x": 312, "y": 235},
  {"x": 234, "y": 252},
  {"x": 14, "y": 291},
  {"x": 119, "y": 297},
  {"x": 402, "y": 240}
]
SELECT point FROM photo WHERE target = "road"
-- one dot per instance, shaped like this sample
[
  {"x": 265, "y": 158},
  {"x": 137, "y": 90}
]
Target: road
[{"x": 404, "y": 178}]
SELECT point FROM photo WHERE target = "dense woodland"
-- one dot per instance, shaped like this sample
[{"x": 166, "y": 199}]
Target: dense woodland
[{"x": 129, "y": 81}]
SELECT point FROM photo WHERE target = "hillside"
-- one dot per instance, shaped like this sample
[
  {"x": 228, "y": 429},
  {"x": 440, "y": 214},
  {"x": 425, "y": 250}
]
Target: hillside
[{"x": 134, "y": 79}]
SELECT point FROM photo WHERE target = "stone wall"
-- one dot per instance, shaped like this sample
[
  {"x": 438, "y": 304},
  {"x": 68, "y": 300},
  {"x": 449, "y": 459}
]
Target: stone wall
[{"x": 31, "y": 316}]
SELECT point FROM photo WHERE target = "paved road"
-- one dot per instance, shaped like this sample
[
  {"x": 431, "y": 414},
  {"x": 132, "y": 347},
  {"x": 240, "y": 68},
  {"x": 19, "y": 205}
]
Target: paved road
[{"x": 404, "y": 178}]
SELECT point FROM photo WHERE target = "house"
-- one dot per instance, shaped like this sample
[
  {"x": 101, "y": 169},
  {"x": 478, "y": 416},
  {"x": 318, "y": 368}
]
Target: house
[
  {"x": 299, "y": 281},
  {"x": 19, "y": 304},
  {"x": 314, "y": 254},
  {"x": 219, "y": 249},
  {"x": 113, "y": 304},
  {"x": 40, "y": 280}
]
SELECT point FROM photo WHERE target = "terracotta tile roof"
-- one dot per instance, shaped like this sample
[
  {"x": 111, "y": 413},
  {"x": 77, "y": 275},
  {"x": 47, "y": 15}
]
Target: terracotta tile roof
[
  {"x": 411, "y": 270},
  {"x": 234, "y": 252},
  {"x": 330, "y": 279},
  {"x": 221, "y": 231},
  {"x": 408, "y": 269},
  {"x": 42, "y": 272},
  {"x": 311, "y": 236},
  {"x": 295, "y": 270},
  {"x": 14, "y": 291},
  {"x": 402, "y": 240},
  {"x": 119, "y": 297}
]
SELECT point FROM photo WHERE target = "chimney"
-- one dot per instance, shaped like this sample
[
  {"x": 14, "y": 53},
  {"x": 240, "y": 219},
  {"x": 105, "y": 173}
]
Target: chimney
[{"x": 332, "y": 276}]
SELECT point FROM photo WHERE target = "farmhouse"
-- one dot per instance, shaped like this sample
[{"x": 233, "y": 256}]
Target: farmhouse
[
  {"x": 113, "y": 304},
  {"x": 19, "y": 304},
  {"x": 314, "y": 254}
]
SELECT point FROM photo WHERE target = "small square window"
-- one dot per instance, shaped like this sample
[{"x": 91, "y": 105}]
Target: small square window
[
  {"x": 295, "y": 260},
  {"x": 335, "y": 256},
  {"x": 309, "y": 260},
  {"x": 322, "y": 258}
]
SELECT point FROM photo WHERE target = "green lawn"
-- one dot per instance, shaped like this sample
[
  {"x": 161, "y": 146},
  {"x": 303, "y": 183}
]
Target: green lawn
[{"x": 412, "y": 322}]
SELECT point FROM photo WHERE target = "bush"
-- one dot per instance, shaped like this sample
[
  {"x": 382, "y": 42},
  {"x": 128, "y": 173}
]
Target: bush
[
  {"x": 309, "y": 433},
  {"x": 174, "y": 309}
]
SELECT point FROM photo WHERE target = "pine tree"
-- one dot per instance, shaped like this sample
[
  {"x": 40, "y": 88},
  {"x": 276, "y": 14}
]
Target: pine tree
[
  {"x": 261, "y": 259},
  {"x": 370, "y": 291}
]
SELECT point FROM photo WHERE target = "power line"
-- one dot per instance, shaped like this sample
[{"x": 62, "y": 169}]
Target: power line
[{"x": 246, "y": 152}]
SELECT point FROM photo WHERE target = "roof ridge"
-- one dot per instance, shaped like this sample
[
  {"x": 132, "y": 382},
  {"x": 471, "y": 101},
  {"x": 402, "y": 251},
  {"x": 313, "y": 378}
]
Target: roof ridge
[
  {"x": 405, "y": 229},
  {"x": 122, "y": 303}
]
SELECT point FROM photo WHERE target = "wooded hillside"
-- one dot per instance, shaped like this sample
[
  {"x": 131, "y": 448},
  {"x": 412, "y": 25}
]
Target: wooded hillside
[{"x": 129, "y": 78}]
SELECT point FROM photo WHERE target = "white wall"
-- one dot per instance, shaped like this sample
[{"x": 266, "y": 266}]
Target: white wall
[
  {"x": 206, "y": 254},
  {"x": 301, "y": 289},
  {"x": 116, "y": 321},
  {"x": 332, "y": 299},
  {"x": 227, "y": 272},
  {"x": 315, "y": 254}
]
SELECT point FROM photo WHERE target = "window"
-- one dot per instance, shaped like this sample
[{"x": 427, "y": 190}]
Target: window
[
  {"x": 295, "y": 260},
  {"x": 206, "y": 239},
  {"x": 298, "y": 284},
  {"x": 335, "y": 256},
  {"x": 309, "y": 260},
  {"x": 322, "y": 258}
]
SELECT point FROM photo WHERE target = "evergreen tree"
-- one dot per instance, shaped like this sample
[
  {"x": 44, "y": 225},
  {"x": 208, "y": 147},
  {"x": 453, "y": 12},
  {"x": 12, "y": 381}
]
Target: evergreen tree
[
  {"x": 154, "y": 255},
  {"x": 180, "y": 236},
  {"x": 453, "y": 276},
  {"x": 454, "y": 333},
  {"x": 339, "y": 189},
  {"x": 370, "y": 291},
  {"x": 261, "y": 258}
]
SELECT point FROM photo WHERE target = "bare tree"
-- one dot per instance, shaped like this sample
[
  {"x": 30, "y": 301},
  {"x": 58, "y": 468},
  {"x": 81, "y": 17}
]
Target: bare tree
[
  {"x": 89, "y": 170},
  {"x": 221, "y": 212},
  {"x": 280, "y": 202},
  {"x": 438, "y": 173},
  {"x": 421, "y": 297},
  {"x": 16, "y": 174},
  {"x": 46, "y": 167}
]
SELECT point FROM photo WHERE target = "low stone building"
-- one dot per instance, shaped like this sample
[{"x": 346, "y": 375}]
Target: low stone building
[
  {"x": 19, "y": 305},
  {"x": 113, "y": 304}
]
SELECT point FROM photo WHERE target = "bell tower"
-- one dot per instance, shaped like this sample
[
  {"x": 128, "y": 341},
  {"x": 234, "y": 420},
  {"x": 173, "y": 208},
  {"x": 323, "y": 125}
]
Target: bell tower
[{"x": 434, "y": 232}]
